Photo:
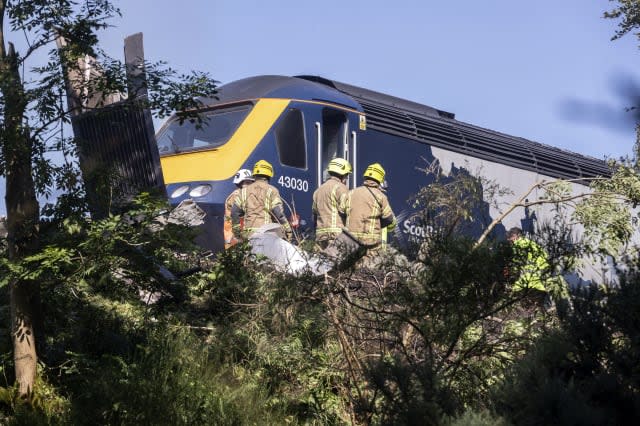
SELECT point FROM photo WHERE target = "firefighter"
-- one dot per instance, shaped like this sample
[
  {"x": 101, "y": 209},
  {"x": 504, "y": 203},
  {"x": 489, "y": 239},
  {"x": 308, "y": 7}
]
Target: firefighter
[
  {"x": 241, "y": 179},
  {"x": 259, "y": 203},
  {"x": 329, "y": 203},
  {"x": 368, "y": 211},
  {"x": 529, "y": 264}
]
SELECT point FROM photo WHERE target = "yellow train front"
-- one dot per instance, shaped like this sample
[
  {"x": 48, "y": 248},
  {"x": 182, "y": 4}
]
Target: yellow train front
[{"x": 295, "y": 124}]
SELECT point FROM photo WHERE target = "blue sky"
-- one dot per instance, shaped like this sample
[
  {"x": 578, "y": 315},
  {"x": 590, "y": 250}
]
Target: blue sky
[
  {"x": 509, "y": 66},
  {"x": 543, "y": 70}
]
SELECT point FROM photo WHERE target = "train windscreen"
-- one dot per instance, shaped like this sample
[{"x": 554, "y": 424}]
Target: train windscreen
[{"x": 215, "y": 130}]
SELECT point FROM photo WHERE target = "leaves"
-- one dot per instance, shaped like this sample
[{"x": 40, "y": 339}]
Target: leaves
[
  {"x": 607, "y": 212},
  {"x": 449, "y": 203},
  {"x": 43, "y": 89},
  {"x": 629, "y": 13}
]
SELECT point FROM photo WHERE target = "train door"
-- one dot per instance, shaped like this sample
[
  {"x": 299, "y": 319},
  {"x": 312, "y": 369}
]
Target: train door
[
  {"x": 293, "y": 164},
  {"x": 334, "y": 136}
]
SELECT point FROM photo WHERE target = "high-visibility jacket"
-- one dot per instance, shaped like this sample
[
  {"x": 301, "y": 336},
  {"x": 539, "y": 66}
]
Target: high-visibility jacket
[
  {"x": 368, "y": 211},
  {"x": 229, "y": 239},
  {"x": 328, "y": 207},
  {"x": 530, "y": 263},
  {"x": 258, "y": 203}
]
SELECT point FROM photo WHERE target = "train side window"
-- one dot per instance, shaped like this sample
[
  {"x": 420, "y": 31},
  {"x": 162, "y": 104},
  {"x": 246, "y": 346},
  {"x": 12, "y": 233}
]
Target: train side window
[{"x": 291, "y": 141}]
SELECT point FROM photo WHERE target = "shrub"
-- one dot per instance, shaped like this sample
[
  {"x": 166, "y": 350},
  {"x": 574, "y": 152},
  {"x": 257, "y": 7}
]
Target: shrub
[
  {"x": 587, "y": 371},
  {"x": 169, "y": 380}
]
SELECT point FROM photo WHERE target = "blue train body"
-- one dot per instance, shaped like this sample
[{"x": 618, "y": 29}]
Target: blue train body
[{"x": 300, "y": 123}]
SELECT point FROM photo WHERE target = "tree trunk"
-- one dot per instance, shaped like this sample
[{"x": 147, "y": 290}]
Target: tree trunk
[
  {"x": 22, "y": 217},
  {"x": 22, "y": 329},
  {"x": 22, "y": 238}
]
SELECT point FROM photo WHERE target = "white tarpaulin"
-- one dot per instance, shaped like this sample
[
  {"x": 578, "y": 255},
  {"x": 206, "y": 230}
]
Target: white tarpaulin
[{"x": 285, "y": 256}]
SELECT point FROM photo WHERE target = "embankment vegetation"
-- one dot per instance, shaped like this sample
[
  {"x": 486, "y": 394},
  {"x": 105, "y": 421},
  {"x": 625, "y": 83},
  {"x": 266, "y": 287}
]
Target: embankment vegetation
[{"x": 440, "y": 340}]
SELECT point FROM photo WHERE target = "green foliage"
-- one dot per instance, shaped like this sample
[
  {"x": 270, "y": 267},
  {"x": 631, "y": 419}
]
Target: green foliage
[
  {"x": 607, "y": 213},
  {"x": 629, "y": 13},
  {"x": 283, "y": 340},
  {"x": 266, "y": 336},
  {"x": 46, "y": 407},
  {"x": 446, "y": 333},
  {"x": 227, "y": 282},
  {"x": 115, "y": 359},
  {"x": 428, "y": 340},
  {"x": 477, "y": 418},
  {"x": 586, "y": 372},
  {"x": 33, "y": 120},
  {"x": 117, "y": 254},
  {"x": 451, "y": 202},
  {"x": 237, "y": 343},
  {"x": 168, "y": 380}
]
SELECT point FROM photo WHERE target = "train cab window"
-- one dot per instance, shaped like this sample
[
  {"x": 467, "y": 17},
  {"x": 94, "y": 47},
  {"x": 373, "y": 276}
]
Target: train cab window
[
  {"x": 216, "y": 129},
  {"x": 334, "y": 131},
  {"x": 290, "y": 140}
]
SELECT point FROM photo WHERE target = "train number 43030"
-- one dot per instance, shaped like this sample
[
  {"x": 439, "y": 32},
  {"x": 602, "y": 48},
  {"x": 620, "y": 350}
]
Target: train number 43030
[{"x": 294, "y": 183}]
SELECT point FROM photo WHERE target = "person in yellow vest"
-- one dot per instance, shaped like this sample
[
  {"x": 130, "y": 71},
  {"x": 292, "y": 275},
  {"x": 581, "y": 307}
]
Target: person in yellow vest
[
  {"x": 368, "y": 211},
  {"x": 259, "y": 203},
  {"x": 241, "y": 179},
  {"x": 530, "y": 270},
  {"x": 329, "y": 202},
  {"x": 529, "y": 264}
]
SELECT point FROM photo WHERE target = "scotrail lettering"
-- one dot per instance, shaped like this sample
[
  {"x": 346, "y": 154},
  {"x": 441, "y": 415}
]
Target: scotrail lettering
[{"x": 416, "y": 230}]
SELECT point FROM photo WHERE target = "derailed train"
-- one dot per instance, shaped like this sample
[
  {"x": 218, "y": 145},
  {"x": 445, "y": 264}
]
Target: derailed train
[{"x": 300, "y": 123}]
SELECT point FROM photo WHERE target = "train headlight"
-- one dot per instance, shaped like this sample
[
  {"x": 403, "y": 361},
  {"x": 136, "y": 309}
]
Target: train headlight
[
  {"x": 200, "y": 191},
  {"x": 179, "y": 191}
]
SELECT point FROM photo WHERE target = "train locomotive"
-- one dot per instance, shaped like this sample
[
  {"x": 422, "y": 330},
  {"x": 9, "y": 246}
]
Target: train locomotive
[{"x": 300, "y": 123}]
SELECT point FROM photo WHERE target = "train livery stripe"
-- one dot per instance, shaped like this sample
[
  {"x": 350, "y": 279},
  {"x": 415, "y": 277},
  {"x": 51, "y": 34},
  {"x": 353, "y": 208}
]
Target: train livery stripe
[{"x": 224, "y": 162}]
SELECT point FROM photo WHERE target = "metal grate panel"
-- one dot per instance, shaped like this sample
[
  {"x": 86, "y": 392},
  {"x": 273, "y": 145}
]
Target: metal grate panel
[
  {"x": 119, "y": 141},
  {"x": 483, "y": 143}
]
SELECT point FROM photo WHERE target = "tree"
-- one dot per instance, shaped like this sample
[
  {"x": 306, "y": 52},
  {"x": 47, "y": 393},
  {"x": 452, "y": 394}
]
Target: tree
[
  {"x": 604, "y": 208},
  {"x": 34, "y": 118},
  {"x": 585, "y": 371},
  {"x": 629, "y": 12}
]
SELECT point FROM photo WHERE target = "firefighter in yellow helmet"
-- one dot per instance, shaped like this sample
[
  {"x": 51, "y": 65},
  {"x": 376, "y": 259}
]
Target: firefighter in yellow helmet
[
  {"x": 368, "y": 210},
  {"x": 241, "y": 179},
  {"x": 329, "y": 202},
  {"x": 259, "y": 203}
]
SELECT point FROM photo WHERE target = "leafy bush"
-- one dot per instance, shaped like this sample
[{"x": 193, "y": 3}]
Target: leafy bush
[
  {"x": 477, "y": 418},
  {"x": 435, "y": 335},
  {"x": 239, "y": 343},
  {"x": 170, "y": 380},
  {"x": 283, "y": 340},
  {"x": 587, "y": 371},
  {"x": 46, "y": 407}
]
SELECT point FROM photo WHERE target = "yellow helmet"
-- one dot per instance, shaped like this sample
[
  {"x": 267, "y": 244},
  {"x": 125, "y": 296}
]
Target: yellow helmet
[
  {"x": 375, "y": 172},
  {"x": 263, "y": 168},
  {"x": 339, "y": 166}
]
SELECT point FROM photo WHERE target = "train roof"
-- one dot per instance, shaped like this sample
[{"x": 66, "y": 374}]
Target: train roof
[
  {"x": 276, "y": 86},
  {"x": 419, "y": 122},
  {"x": 440, "y": 128}
]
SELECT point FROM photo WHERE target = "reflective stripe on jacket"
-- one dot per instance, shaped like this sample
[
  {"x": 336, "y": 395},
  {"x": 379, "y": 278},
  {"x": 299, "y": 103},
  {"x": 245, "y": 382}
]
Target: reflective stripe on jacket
[
  {"x": 328, "y": 206},
  {"x": 367, "y": 207}
]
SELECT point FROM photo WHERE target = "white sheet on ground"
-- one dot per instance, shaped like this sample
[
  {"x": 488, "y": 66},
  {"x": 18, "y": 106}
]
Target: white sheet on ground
[{"x": 285, "y": 256}]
